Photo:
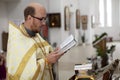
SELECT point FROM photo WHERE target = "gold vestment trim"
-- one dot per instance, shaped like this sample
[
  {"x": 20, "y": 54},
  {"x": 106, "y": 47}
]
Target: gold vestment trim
[
  {"x": 14, "y": 25},
  {"x": 25, "y": 61},
  {"x": 36, "y": 73}
]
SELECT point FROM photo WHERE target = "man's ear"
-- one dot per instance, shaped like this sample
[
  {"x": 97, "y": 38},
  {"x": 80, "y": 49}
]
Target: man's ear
[{"x": 29, "y": 17}]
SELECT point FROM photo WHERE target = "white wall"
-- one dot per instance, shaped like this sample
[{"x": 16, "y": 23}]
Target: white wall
[
  {"x": 54, "y": 33},
  {"x": 113, "y": 31},
  {"x": 73, "y": 5},
  {"x": 92, "y": 9},
  {"x": 59, "y": 34},
  {"x": 15, "y": 9},
  {"x": 89, "y": 11}
]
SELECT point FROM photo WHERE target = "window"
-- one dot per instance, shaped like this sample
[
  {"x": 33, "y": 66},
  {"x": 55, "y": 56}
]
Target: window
[{"x": 105, "y": 13}]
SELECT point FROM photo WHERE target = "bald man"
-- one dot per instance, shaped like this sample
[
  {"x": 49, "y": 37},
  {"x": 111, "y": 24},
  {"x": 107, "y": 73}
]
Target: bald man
[{"x": 29, "y": 56}]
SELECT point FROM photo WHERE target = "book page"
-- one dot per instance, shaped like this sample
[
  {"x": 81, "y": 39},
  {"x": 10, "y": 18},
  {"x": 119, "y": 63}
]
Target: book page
[{"x": 67, "y": 44}]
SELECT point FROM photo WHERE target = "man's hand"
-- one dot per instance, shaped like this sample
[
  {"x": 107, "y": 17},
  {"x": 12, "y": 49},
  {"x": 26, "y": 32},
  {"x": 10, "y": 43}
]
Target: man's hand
[{"x": 54, "y": 56}]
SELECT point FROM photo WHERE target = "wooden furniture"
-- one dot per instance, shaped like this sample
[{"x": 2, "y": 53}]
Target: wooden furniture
[
  {"x": 107, "y": 71},
  {"x": 4, "y": 41},
  {"x": 100, "y": 45}
]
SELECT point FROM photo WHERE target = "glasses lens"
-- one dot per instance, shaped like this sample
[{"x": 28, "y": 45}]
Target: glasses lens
[{"x": 43, "y": 19}]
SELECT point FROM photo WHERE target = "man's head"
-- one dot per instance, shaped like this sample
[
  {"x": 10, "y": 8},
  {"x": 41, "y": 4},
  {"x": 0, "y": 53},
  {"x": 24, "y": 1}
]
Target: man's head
[{"x": 35, "y": 17}]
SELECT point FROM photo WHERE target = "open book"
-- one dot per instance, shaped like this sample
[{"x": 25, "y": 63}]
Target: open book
[
  {"x": 83, "y": 66},
  {"x": 67, "y": 44}
]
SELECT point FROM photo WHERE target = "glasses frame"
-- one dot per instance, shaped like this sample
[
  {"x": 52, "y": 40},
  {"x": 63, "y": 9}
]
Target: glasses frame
[{"x": 43, "y": 19}]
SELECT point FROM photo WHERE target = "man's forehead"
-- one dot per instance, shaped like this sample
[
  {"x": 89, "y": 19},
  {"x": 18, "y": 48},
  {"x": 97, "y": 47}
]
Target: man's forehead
[{"x": 40, "y": 12}]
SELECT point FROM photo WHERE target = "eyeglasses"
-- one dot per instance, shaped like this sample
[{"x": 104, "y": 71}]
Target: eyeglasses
[{"x": 43, "y": 19}]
